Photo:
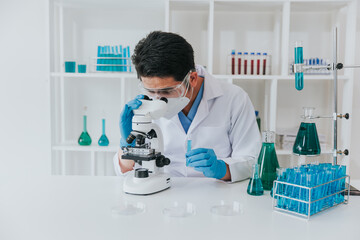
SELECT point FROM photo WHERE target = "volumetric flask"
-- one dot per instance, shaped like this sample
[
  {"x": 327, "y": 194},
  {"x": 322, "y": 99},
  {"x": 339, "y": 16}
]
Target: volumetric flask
[
  {"x": 307, "y": 140},
  {"x": 268, "y": 160},
  {"x": 84, "y": 138}
]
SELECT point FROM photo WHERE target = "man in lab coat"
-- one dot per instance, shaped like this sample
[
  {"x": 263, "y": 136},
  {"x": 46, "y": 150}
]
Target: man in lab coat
[{"x": 218, "y": 117}]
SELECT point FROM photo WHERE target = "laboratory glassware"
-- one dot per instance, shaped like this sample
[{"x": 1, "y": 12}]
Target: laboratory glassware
[
  {"x": 246, "y": 58},
  {"x": 239, "y": 56},
  {"x": 307, "y": 140},
  {"x": 81, "y": 68},
  {"x": 267, "y": 160},
  {"x": 258, "y": 60},
  {"x": 299, "y": 76},
  {"x": 128, "y": 208},
  {"x": 255, "y": 186},
  {"x": 252, "y": 63},
  {"x": 233, "y": 62},
  {"x": 264, "y": 66},
  {"x": 311, "y": 188},
  {"x": 70, "y": 66},
  {"x": 227, "y": 208},
  {"x": 84, "y": 138},
  {"x": 258, "y": 120},
  {"x": 103, "y": 140},
  {"x": 179, "y": 209}
]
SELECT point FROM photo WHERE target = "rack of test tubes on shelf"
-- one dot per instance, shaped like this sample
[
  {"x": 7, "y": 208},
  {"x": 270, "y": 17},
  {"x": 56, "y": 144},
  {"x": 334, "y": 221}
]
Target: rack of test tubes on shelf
[
  {"x": 314, "y": 63},
  {"x": 243, "y": 63},
  {"x": 309, "y": 189},
  {"x": 112, "y": 59}
]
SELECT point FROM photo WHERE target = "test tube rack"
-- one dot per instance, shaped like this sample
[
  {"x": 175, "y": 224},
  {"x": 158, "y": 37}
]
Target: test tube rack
[
  {"x": 111, "y": 64},
  {"x": 304, "y": 202}
]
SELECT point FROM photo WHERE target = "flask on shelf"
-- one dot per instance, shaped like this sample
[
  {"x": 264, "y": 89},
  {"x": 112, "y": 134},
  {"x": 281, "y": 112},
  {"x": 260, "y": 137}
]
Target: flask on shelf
[
  {"x": 268, "y": 160},
  {"x": 103, "y": 140},
  {"x": 84, "y": 139},
  {"x": 255, "y": 186}
]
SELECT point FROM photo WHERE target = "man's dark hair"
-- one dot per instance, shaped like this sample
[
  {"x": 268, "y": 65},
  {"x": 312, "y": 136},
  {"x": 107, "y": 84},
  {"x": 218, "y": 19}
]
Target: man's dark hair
[{"x": 163, "y": 54}]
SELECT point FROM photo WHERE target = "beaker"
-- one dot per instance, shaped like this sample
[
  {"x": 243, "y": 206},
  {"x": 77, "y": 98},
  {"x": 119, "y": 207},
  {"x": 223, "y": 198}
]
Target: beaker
[
  {"x": 267, "y": 160},
  {"x": 307, "y": 140},
  {"x": 255, "y": 186},
  {"x": 84, "y": 138},
  {"x": 103, "y": 140},
  {"x": 299, "y": 76}
]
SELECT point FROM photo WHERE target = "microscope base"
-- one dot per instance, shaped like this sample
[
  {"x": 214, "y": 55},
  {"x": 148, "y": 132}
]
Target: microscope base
[{"x": 145, "y": 186}]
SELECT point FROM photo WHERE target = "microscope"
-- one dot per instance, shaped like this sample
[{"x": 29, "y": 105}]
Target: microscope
[{"x": 150, "y": 178}]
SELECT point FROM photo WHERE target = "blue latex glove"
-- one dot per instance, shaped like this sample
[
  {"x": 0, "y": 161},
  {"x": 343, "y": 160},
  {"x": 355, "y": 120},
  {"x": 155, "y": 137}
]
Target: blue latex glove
[
  {"x": 205, "y": 161},
  {"x": 126, "y": 116}
]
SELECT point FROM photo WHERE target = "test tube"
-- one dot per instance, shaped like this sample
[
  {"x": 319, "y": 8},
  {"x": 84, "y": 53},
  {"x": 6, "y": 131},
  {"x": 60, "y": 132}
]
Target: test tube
[
  {"x": 245, "y": 62},
  {"x": 258, "y": 57},
  {"x": 299, "y": 76},
  {"x": 189, "y": 145},
  {"x": 252, "y": 60},
  {"x": 264, "y": 63},
  {"x": 239, "y": 62},
  {"x": 233, "y": 62}
]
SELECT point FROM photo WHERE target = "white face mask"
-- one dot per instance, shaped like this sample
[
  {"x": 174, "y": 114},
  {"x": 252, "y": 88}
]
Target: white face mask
[{"x": 175, "y": 105}]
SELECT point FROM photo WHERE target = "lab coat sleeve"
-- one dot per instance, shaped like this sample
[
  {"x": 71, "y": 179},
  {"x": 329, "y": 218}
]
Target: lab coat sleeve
[
  {"x": 244, "y": 137},
  {"x": 117, "y": 168}
]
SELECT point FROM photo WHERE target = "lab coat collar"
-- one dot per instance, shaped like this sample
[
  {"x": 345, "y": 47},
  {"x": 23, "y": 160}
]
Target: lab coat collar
[{"x": 212, "y": 90}]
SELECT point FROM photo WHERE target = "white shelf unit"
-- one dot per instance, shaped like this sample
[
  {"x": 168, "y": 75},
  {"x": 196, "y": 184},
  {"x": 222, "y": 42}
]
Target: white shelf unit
[{"x": 213, "y": 28}]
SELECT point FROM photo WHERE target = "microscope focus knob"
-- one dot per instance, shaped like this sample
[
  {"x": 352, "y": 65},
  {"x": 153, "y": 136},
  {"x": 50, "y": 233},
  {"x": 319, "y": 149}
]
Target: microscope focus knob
[
  {"x": 141, "y": 173},
  {"x": 162, "y": 161}
]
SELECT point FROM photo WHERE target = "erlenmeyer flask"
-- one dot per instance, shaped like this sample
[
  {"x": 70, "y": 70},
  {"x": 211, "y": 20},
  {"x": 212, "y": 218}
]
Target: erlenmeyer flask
[
  {"x": 84, "y": 138},
  {"x": 268, "y": 160},
  {"x": 255, "y": 186},
  {"x": 103, "y": 140},
  {"x": 307, "y": 140}
]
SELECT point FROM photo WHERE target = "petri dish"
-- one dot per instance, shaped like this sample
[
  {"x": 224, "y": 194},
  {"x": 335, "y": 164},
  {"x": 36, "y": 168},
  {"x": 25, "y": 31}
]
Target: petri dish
[
  {"x": 179, "y": 210},
  {"x": 227, "y": 208},
  {"x": 127, "y": 209}
]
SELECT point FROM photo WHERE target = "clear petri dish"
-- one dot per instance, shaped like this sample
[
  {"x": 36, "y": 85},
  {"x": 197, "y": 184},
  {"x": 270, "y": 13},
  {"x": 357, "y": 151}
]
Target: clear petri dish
[
  {"x": 128, "y": 208},
  {"x": 230, "y": 208},
  {"x": 179, "y": 210}
]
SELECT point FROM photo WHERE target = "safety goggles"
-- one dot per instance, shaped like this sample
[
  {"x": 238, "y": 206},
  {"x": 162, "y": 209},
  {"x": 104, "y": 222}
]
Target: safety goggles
[{"x": 176, "y": 91}]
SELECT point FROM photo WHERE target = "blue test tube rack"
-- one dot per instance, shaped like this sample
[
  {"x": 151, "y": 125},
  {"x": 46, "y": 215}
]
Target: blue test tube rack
[{"x": 310, "y": 189}]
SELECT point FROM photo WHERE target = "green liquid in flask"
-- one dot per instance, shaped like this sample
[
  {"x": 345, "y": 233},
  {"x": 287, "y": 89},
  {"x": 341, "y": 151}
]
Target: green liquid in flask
[
  {"x": 255, "y": 186},
  {"x": 268, "y": 160},
  {"x": 307, "y": 140},
  {"x": 84, "y": 138},
  {"x": 103, "y": 141}
]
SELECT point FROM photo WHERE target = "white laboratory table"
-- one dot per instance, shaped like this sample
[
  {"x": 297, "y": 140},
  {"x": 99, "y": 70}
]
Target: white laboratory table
[{"x": 78, "y": 208}]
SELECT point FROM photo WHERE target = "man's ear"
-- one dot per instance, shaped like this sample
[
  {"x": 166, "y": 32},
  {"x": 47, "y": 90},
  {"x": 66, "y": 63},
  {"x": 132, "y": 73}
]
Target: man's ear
[{"x": 194, "y": 78}]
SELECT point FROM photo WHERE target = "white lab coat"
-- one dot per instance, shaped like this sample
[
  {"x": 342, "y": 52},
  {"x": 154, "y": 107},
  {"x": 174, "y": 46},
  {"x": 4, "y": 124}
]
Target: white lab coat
[{"x": 225, "y": 121}]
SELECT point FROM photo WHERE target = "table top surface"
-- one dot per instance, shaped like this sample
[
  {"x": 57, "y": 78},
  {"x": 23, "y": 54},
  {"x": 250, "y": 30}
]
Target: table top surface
[{"x": 77, "y": 207}]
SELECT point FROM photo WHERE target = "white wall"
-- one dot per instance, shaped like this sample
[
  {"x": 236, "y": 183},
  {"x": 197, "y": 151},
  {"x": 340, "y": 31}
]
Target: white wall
[{"x": 24, "y": 102}]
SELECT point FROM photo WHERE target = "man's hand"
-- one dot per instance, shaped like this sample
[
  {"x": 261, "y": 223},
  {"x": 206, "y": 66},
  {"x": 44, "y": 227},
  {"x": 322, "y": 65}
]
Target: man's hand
[
  {"x": 126, "y": 116},
  {"x": 205, "y": 161}
]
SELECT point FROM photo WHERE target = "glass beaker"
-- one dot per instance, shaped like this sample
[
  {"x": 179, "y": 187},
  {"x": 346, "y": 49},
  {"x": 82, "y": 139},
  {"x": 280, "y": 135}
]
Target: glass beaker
[
  {"x": 267, "y": 160},
  {"x": 255, "y": 186},
  {"x": 84, "y": 138},
  {"x": 103, "y": 140},
  {"x": 307, "y": 140}
]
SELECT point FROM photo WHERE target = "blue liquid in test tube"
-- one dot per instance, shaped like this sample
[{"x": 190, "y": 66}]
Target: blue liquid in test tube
[
  {"x": 299, "y": 76},
  {"x": 189, "y": 145}
]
